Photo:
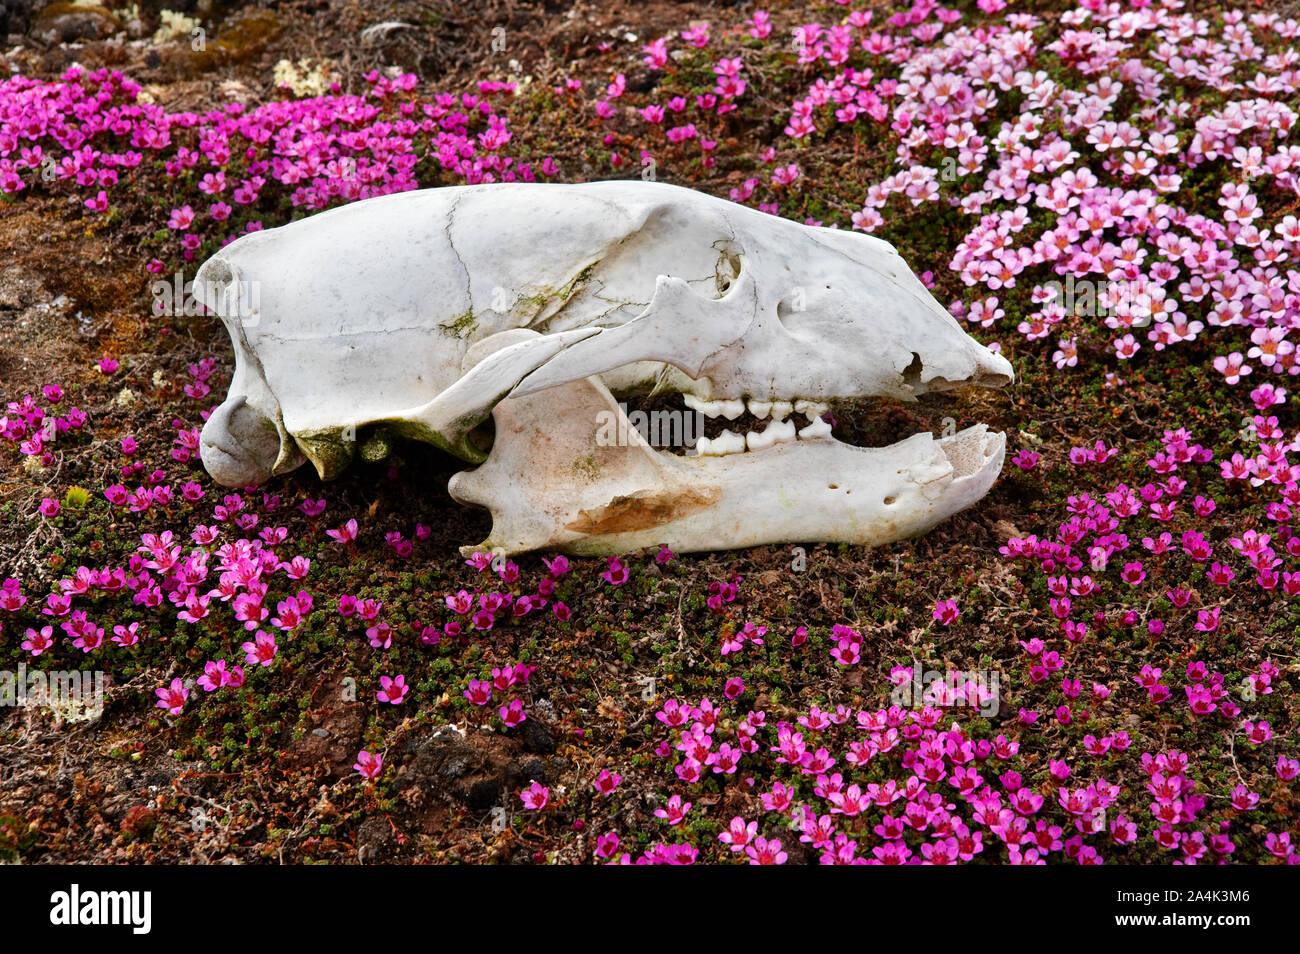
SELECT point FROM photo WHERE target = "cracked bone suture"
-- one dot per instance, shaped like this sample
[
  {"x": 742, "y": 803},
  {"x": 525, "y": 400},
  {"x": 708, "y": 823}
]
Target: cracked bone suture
[{"x": 547, "y": 308}]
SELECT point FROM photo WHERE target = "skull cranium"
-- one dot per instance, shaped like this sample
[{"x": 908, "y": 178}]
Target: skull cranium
[{"x": 425, "y": 313}]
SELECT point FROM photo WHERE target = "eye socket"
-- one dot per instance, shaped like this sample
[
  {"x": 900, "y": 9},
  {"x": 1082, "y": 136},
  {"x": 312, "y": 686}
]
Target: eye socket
[{"x": 727, "y": 268}]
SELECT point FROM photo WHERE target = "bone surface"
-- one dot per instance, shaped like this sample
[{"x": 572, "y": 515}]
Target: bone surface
[{"x": 542, "y": 307}]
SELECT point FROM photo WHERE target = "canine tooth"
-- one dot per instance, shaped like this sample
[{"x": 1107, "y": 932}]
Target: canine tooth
[
  {"x": 760, "y": 409},
  {"x": 810, "y": 409},
  {"x": 781, "y": 409},
  {"x": 817, "y": 429}
]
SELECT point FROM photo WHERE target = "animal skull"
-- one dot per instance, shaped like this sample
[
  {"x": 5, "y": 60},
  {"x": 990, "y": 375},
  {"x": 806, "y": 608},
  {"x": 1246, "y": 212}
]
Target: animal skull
[{"x": 422, "y": 314}]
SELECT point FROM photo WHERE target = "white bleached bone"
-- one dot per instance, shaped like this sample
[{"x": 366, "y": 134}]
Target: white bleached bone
[
  {"x": 817, "y": 429},
  {"x": 774, "y": 433},
  {"x": 542, "y": 306},
  {"x": 810, "y": 409}
]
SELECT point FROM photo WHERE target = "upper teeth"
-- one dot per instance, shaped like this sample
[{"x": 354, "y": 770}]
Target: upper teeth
[
  {"x": 728, "y": 409},
  {"x": 778, "y": 431},
  {"x": 810, "y": 409},
  {"x": 732, "y": 409}
]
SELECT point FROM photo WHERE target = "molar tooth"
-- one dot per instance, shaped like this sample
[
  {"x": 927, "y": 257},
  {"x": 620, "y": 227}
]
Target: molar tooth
[
  {"x": 777, "y": 432},
  {"x": 731, "y": 409},
  {"x": 810, "y": 409},
  {"x": 707, "y": 408},
  {"x": 815, "y": 431},
  {"x": 760, "y": 409},
  {"x": 728, "y": 409},
  {"x": 781, "y": 409},
  {"x": 726, "y": 443},
  {"x": 781, "y": 431}
]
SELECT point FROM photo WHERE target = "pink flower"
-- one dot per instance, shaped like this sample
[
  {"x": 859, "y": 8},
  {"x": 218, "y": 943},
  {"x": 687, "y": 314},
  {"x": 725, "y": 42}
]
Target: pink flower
[
  {"x": 393, "y": 691},
  {"x": 1133, "y": 573},
  {"x": 606, "y": 782},
  {"x": 1207, "y": 621},
  {"x": 261, "y": 650},
  {"x": 181, "y": 218},
  {"x": 380, "y": 636},
  {"x": 675, "y": 811},
  {"x": 479, "y": 692},
  {"x": 760, "y": 25},
  {"x": 49, "y": 507},
  {"x": 36, "y": 643},
  {"x": 127, "y": 635},
  {"x": 606, "y": 845},
  {"x": 739, "y": 834},
  {"x": 173, "y": 697},
  {"x": 617, "y": 573},
  {"x": 656, "y": 54},
  {"x": 312, "y": 508},
  {"x": 1025, "y": 460},
  {"x": 766, "y": 852},
  {"x": 946, "y": 612},
  {"x": 779, "y": 799},
  {"x": 697, "y": 36},
  {"x": 535, "y": 797},
  {"x": 215, "y": 675},
  {"x": 1257, "y": 733},
  {"x": 513, "y": 713},
  {"x": 347, "y": 534},
  {"x": 369, "y": 765}
]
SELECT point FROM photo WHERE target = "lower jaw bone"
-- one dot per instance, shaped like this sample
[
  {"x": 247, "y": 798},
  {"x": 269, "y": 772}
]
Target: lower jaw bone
[{"x": 550, "y": 485}]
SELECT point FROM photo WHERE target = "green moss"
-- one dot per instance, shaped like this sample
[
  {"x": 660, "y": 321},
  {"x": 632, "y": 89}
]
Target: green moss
[
  {"x": 240, "y": 39},
  {"x": 462, "y": 327},
  {"x": 588, "y": 467}
]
